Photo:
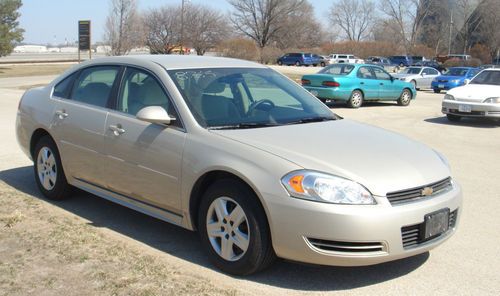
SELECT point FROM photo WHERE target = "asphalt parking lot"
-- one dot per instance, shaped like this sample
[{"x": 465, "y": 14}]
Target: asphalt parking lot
[{"x": 467, "y": 264}]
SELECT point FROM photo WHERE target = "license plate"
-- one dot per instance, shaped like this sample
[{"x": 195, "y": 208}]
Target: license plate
[
  {"x": 436, "y": 223},
  {"x": 314, "y": 93},
  {"x": 464, "y": 108},
  {"x": 441, "y": 85}
]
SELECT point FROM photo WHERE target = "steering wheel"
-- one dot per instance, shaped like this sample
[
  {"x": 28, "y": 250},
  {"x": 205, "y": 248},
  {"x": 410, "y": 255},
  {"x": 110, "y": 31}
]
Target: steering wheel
[{"x": 261, "y": 103}]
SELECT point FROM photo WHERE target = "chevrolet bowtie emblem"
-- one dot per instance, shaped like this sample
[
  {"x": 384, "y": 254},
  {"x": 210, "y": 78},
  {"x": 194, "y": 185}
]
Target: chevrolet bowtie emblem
[{"x": 427, "y": 191}]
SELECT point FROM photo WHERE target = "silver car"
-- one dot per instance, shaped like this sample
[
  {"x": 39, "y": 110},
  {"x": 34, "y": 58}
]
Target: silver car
[
  {"x": 421, "y": 77},
  {"x": 242, "y": 154},
  {"x": 479, "y": 98}
]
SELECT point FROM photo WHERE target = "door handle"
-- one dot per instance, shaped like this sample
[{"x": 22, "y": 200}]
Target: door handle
[
  {"x": 361, "y": 83},
  {"x": 61, "y": 114},
  {"x": 117, "y": 129},
  {"x": 381, "y": 83}
]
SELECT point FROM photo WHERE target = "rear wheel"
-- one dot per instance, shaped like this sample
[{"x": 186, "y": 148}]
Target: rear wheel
[
  {"x": 49, "y": 174},
  {"x": 405, "y": 98},
  {"x": 356, "y": 99},
  {"x": 437, "y": 90},
  {"x": 453, "y": 118},
  {"x": 234, "y": 229}
]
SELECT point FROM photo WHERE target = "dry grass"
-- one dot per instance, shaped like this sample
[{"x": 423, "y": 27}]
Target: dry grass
[
  {"x": 32, "y": 70},
  {"x": 58, "y": 254}
]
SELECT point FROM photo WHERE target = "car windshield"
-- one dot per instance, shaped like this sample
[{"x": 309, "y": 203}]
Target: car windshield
[
  {"x": 230, "y": 98},
  {"x": 487, "y": 77},
  {"x": 412, "y": 70},
  {"x": 337, "y": 69},
  {"x": 456, "y": 72}
]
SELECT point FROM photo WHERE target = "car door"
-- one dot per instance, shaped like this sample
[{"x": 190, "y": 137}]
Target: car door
[
  {"x": 387, "y": 90},
  {"x": 79, "y": 122},
  {"x": 368, "y": 82},
  {"x": 144, "y": 158},
  {"x": 429, "y": 75}
]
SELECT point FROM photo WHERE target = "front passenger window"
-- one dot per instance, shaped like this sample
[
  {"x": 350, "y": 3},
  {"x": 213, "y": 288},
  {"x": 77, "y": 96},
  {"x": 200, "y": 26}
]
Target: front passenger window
[{"x": 94, "y": 85}]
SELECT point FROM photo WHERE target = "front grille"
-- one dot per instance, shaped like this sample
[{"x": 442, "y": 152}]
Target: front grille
[
  {"x": 346, "y": 247},
  {"x": 408, "y": 195},
  {"x": 413, "y": 235}
]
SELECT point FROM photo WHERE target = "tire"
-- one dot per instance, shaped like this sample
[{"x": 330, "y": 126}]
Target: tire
[
  {"x": 297, "y": 63},
  {"x": 49, "y": 173},
  {"x": 322, "y": 64},
  {"x": 436, "y": 91},
  {"x": 232, "y": 195},
  {"x": 315, "y": 65},
  {"x": 356, "y": 99},
  {"x": 280, "y": 63},
  {"x": 322, "y": 100},
  {"x": 404, "y": 98},
  {"x": 401, "y": 65},
  {"x": 414, "y": 84},
  {"x": 453, "y": 118}
]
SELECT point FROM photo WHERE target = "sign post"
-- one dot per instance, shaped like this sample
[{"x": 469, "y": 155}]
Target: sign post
[{"x": 84, "y": 40}]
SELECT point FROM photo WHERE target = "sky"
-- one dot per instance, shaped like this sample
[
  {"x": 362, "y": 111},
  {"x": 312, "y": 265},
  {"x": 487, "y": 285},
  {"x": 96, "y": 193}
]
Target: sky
[{"x": 55, "y": 21}]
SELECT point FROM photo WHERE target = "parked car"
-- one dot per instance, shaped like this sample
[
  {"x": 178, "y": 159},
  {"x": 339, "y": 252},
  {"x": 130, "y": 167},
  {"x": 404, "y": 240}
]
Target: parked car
[
  {"x": 320, "y": 60},
  {"x": 479, "y": 98},
  {"x": 402, "y": 61},
  {"x": 455, "y": 76},
  {"x": 418, "y": 59},
  {"x": 496, "y": 61},
  {"x": 356, "y": 83},
  {"x": 297, "y": 59},
  {"x": 237, "y": 151},
  {"x": 420, "y": 77},
  {"x": 345, "y": 58},
  {"x": 488, "y": 66},
  {"x": 383, "y": 62},
  {"x": 432, "y": 64}
]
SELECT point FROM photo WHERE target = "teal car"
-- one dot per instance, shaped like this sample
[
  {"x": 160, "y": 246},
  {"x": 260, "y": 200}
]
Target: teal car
[{"x": 356, "y": 83}]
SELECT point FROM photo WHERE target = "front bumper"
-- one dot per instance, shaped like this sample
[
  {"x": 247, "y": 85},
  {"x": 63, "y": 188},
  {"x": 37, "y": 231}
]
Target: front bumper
[
  {"x": 444, "y": 85},
  {"x": 366, "y": 234},
  {"x": 476, "y": 109}
]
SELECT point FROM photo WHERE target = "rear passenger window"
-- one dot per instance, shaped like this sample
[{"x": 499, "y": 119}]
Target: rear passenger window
[
  {"x": 94, "y": 84},
  {"x": 63, "y": 88},
  {"x": 365, "y": 73}
]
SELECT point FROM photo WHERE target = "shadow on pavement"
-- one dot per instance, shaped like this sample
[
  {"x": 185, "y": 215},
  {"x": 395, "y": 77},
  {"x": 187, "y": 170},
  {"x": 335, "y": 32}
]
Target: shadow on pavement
[
  {"x": 469, "y": 122},
  {"x": 185, "y": 244}
]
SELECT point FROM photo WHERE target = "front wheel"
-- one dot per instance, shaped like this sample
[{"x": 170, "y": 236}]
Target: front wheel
[
  {"x": 405, "y": 98},
  {"x": 356, "y": 99},
  {"x": 297, "y": 63},
  {"x": 49, "y": 174},
  {"x": 436, "y": 91},
  {"x": 280, "y": 63},
  {"x": 234, "y": 229}
]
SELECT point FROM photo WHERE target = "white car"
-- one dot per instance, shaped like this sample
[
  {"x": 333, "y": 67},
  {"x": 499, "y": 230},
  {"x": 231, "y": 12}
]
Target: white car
[
  {"x": 345, "y": 58},
  {"x": 421, "y": 77},
  {"x": 479, "y": 98}
]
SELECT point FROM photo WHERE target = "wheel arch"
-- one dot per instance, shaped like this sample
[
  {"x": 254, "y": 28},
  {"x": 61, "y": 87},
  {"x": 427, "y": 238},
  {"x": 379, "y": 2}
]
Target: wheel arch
[
  {"x": 36, "y": 136},
  {"x": 205, "y": 181}
]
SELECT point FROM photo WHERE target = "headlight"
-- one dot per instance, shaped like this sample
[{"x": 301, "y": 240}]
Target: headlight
[
  {"x": 449, "y": 97},
  {"x": 492, "y": 101},
  {"x": 326, "y": 188}
]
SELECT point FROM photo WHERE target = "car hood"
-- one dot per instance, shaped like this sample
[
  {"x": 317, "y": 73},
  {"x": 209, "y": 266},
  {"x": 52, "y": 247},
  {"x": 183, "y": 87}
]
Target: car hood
[
  {"x": 475, "y": 92},
  {"x": 380, "y": 160}
]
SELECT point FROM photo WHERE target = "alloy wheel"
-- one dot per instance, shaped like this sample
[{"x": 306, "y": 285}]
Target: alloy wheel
[
  {"x": 47, "y": 168},
  {"x": 227, "y": 228}
]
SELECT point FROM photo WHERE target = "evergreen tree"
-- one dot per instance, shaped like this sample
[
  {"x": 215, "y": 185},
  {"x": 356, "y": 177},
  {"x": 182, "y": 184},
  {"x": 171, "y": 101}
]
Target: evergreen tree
[{"x": 10, "y": 33}]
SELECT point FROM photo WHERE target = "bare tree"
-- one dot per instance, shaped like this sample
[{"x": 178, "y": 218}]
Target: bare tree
[
  {"x": 303, "y": 30},
  {"x": 162, "y": 27},
  {"x": 262, "y": 20},
  {"x": 354, "y": 17},
  {"x": 122, "y": 26},
  {"x": 204, "y": 28},
  {"x": 490, "y": 12},
  {"x": 408, "y": 16}
]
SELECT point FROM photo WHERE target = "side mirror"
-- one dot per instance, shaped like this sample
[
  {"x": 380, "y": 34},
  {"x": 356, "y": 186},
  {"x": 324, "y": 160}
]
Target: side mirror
[
  {"x": 392, "y": 78},
  {"x": 154, "y": 114}
]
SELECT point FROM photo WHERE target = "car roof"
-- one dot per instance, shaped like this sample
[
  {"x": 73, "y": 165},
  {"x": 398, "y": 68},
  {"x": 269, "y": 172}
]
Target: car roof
[{"x": 179, "y": 61}]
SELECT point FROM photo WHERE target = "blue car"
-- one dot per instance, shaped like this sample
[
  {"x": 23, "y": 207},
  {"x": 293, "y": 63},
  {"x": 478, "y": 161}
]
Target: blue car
[
  {"x": 455, "y": 76},
  {"x": 402, "y": 61},
  {"x": 356, "y": 83},
  {"x": 297, "y": 59}
]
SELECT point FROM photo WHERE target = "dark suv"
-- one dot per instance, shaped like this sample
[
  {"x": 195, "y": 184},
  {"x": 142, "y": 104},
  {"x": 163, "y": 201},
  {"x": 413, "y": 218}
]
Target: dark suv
[
  {"x": 297, "y": 59},
  {"x": 405, "y": 61}
]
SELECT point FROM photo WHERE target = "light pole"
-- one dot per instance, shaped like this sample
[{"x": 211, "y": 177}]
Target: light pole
[
  {"x": 451, "y": 31},
  {"x": 182, "y": 25}
]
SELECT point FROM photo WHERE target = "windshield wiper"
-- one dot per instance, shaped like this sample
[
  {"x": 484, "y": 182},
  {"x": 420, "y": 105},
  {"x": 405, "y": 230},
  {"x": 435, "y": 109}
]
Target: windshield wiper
[
  {"x": 243, "y": 125},
  {"x": 312, "y": 119}
]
